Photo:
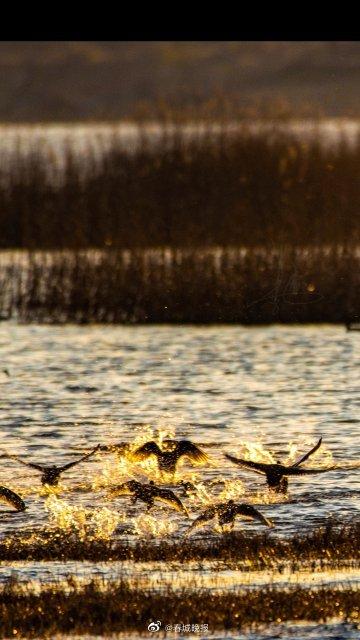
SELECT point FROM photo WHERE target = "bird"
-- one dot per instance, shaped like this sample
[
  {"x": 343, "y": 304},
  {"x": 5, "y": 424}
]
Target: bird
[
  {"x": 147, "y": 493},
  {"x": 167, "y": 460},
  {"x": 50, "y": 474},
  {"x": 276, "y": 473},
  {"x": 225, "y": 513},
  {"x": 12, "y": 498}
]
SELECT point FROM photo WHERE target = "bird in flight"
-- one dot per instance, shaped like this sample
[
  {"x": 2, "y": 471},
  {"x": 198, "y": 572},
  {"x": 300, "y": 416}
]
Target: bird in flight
[
  {"x": 50, "y": 474},
  {"x": 167, "y": 460},
  {"x": 12, "y": 498},
  {"x": 276, "y": 473},
  {"x": 225, "y": 514},
  {"x": 147, "y": 493}
]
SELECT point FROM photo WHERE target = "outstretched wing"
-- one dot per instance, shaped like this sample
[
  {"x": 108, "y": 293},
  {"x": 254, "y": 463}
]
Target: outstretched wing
[
  {"x": 12, "y": 498},
  {"x": 124, "y": 489},
  {"x": 259, "y": 467},
  {"x": 38, "y": 467},
  {"x": 72, "y": 464},
  {"x": 146, "y": 450},
  {"x": 169, "y": 497},
  {"x": 249, "y": 511},
  {"x": 308, "y": 454},
  {"x": 187, "y": 448},
  {"x": 208, "y": 514},
  {"x": 296, "y": 471}
]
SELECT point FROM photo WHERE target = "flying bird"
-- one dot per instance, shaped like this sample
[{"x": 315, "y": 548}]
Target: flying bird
[
  {"x": 50, "y": 474},
  {"x": 225, "y": 514},
  {"x": 12, "y": 498},
  {"x": 147, "y": 493},
  {"x": 167, "y": 460},
  {"x": 276, "y": 473}
]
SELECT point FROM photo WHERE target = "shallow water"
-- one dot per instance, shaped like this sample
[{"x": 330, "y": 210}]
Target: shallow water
[
  {"x": 71, "y": 387},
  {"x": 243, "y": 390},
  {"x": 214, "y": 576}
]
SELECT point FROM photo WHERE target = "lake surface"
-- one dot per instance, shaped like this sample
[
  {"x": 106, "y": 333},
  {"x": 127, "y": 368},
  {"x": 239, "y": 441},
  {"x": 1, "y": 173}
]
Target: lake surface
[
  {"x": 248, "y": 391},
  {"x": 260, "y": 392}
]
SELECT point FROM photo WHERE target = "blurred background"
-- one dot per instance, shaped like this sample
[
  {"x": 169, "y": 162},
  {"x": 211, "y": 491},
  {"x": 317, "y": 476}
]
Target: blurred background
[
  {"x": 180, "y": 181},
  {"x": 50, "y": 81}
]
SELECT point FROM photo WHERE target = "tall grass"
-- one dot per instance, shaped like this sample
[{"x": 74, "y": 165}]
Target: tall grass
[
  {"x": 119, "y": 606},
  {"x": 135, "y": 232},
  {"x": 256, "y": 285},
  {"x": 234, "y": 187},
  {"x": 331, "y": 545}
]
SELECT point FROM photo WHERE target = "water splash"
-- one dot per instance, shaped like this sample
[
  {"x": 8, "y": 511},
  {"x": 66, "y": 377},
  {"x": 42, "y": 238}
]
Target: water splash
[
  {"x": 232, "y": 490},
  {"x": 118, "y": 468},
  {"x": 256, "y": 451},
  {"x": 85, "y": 523},
  {"x": 153, "y": 527},
  {"x": 67, "y": 517}
]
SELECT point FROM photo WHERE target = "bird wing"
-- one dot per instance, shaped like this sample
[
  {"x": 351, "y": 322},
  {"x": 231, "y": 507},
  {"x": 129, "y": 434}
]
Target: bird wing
[
  {"x": 12, "y": 498},
  {"x": 308, "y": 454},
  {"x": 146, "y": 450},
  {"x": 256, "y": 466},
  {"x": 249, "y": 511},
  {"x": 296, "y": 471},
  {"x": 38, "y": 467},
  {"x": 207, "y": 515},
  {"x": 187, "y": 448},
  {"x": 169, "y": 497},
  {"x": 72, "y": 464},
  {"x": 126, "y": 488}
]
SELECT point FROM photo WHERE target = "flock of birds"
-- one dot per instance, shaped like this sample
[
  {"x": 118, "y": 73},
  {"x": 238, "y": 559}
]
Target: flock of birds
[{"x": 224, "y": 513}]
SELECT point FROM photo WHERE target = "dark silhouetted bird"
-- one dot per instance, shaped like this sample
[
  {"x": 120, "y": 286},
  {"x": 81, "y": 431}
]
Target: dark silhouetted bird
[
  {"x": 276, "y": 473},
  {"x": 147, "y": 493},
  {"x": 12, "y": 498},
  {"x": 167, "y": 460},
  {"x": 50, "y": 474},
  {"x": 225, "y": 513}
]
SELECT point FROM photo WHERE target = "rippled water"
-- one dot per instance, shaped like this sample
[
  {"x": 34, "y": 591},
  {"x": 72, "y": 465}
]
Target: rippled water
[
  {"x": 215, "y": 576},
  {"x": 267, "y": 390},
  {"x": 71, "y": 387}
]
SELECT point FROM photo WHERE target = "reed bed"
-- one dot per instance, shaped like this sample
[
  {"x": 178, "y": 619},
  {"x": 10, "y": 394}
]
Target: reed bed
[
  {"x": 241, "y": 226},
  {"x": 227, "y": 285},
  {"x": 242, "y": 186},
  {"x": 120, "y": 606},
  {"x": 332, "y": 544}
]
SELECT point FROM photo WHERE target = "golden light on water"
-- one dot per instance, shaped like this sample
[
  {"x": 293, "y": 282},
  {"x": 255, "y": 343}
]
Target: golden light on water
[{"x": 99, "y": 523}]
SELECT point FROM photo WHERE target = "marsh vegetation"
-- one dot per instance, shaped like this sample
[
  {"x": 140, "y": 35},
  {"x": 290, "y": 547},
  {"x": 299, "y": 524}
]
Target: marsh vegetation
[
  {"x": 122, "y": 606},
  {"x": 234, "y": 226}
]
